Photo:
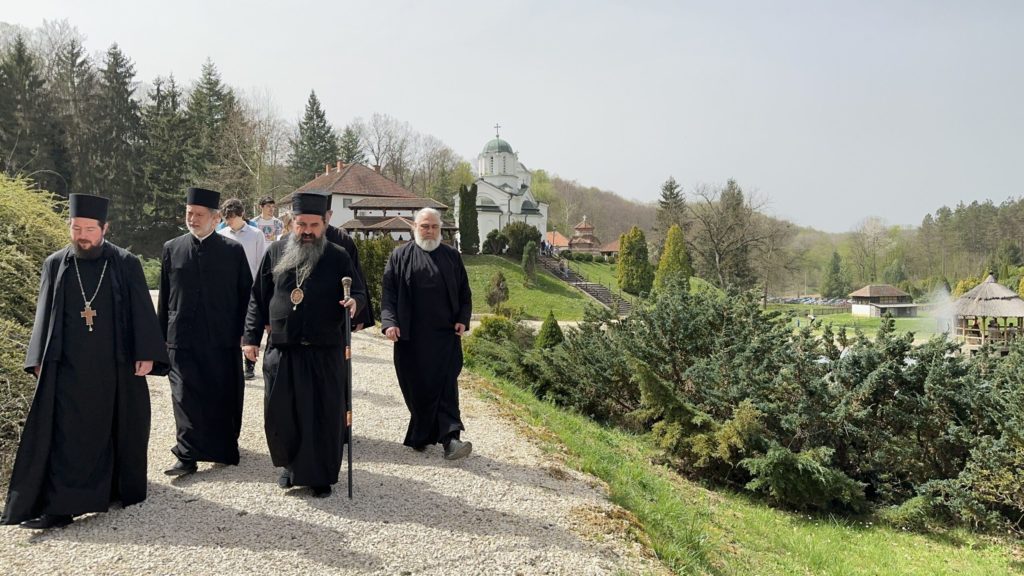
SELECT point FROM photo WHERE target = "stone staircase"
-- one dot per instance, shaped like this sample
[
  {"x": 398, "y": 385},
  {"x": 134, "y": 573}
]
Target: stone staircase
[{"x": 598, "y": 292}]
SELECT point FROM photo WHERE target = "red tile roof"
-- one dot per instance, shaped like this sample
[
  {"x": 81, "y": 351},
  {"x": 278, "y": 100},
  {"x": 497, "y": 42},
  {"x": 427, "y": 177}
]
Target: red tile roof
[
  {"x": 556, "y": 239},
  {"x": 354, "y": 180}
]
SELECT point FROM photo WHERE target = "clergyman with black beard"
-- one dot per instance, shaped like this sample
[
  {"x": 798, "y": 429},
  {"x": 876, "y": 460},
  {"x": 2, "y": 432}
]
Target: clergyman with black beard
[
  {"x": 298, "y": 298},
  {"x": 425, "y": 309},
  {"x": 94, "y": 340}
]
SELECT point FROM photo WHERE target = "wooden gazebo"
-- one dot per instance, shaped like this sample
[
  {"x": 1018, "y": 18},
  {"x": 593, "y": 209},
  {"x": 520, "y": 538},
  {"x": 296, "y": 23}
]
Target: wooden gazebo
[{"x": 989, "y": 313}]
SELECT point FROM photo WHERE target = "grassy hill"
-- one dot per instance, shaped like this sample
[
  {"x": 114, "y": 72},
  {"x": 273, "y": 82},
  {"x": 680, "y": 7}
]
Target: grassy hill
[
  {"x": 549, "y": 293},
  {"x": 694, "y": 530}
]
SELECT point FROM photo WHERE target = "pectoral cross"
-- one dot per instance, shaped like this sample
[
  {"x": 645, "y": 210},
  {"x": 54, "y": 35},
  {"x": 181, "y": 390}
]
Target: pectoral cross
[{"x": 88, "y": 314}]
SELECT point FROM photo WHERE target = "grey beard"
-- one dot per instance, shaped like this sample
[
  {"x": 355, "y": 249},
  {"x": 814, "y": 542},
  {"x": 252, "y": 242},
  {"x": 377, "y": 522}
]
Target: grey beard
[
  {"x": 428, "y": 245},
  {"x": 300, "y": 257}
]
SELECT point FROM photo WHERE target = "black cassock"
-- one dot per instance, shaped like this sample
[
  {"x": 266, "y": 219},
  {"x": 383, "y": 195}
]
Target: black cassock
[
  {"x": 303, "y": 368},
  {"x": 204, "y": 294},
  {"x": 341, "y": 237},
  {"x": 425, "y": 294},
  {"x": 86, "y": 436}
]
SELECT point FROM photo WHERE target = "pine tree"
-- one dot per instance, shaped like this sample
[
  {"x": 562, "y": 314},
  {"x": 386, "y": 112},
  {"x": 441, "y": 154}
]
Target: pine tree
[
  {"x": 119, "y": 166},
  {"x": 351, "y": 148},
  {"x": 166, "y": 153},
  {"x": 671, "y": 207},
  {"x": 74, "y": 88},
  {"x": 835, "y": 284},
  {"x": 550, "y": 334},
  {"x": 210, "y": 105},
  {"x": 30, "y": 144},
  {"x": 675, "y": 261},
  {"x": 497, "y": 292},
  {"x": 530, "y": 262},
  {"x": 317, "y": 143},
  {"x": 469, "y": 227},
  {"x": 635, "y": 272}
]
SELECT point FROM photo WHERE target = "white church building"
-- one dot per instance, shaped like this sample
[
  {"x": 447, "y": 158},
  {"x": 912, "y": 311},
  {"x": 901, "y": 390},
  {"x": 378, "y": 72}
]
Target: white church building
[{"x": 503, "y": 192}]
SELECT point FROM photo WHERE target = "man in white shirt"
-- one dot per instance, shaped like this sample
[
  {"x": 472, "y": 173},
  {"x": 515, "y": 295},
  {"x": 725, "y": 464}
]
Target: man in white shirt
[
  {"x": 266, "y": 223},
  {"x": 251, "y": 239}
]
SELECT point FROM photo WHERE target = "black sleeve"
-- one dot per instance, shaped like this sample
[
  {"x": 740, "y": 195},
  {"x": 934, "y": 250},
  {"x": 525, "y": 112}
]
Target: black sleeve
[
  {"x": 244, "y": 288},
  {"x": 41, "y": 326},
  {"x": 149, "y": 344},
  {"x": 465, "y": 294},
  {"x": 258, "y": 314},
  {"x": 389, "y": 294},
  {"x": 165, "y": 287}
]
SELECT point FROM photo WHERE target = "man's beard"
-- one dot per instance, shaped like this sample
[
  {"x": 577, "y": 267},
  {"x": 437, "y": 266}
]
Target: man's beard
[
  {"x": 199, "y": 232},
  {"x": 299, "y": 256},
  {"x": 428, "y": 245},
  {"x": 91, "y": 253}
]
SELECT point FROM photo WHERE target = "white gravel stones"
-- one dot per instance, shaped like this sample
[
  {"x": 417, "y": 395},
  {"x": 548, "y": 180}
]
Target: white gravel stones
[{"x": 500, "y": 511}]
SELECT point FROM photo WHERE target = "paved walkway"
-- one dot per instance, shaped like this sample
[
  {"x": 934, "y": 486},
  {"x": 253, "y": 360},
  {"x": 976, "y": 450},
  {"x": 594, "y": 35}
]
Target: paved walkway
[{"x": 507, "y": 509}]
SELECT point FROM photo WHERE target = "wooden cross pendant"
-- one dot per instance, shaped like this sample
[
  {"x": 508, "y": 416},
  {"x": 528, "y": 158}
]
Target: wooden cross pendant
[{"x": 88, "y": 314}]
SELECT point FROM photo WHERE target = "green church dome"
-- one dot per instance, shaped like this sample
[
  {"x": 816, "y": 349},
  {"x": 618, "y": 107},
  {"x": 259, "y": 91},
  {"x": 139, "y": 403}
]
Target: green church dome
[{"x": 497, "y": 145}]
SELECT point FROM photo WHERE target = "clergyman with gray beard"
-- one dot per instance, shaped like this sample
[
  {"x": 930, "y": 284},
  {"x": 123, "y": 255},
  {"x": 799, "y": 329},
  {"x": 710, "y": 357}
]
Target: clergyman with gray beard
[
  {"x": 298, "y": 297},
  {"x": 425, "y": 309}
]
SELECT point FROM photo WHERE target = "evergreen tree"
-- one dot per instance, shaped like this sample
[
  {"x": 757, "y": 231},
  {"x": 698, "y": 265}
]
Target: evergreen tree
[
  {"x": 550, "y": 334},
  {"x": 166, "y": 154},
  {"x": 209, "y": 108},
  {"x": 351, "y": 149},
  {"x": 519, "y": 234},
  {"x": 634, "y": 267},
  {"x": 30, "y": 142},
  {"x": 316, "y": 144},
  {"x": 671, "y": 207},
  {"x": 469, "y": 227},
  {"x": 737, "y": 266},
  {"x": 74, "y": 89},
  {"x": 675, "y": 261},
  {"x": 497, "y": 292},
  {"x": 530, "y": 262},
  {"x": 835, "y": 284},
  {"x": 118, "y": 167}
]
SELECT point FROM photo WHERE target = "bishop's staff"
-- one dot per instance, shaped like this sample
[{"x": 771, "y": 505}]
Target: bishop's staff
[{"x": 346, "y": 284}]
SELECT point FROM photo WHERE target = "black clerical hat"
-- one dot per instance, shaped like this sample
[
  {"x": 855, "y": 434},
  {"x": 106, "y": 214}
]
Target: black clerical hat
[
  {"x": 88, "y": 206},
  {"x": 309, "y": 203},
  {"x": 203, "y": 197}
]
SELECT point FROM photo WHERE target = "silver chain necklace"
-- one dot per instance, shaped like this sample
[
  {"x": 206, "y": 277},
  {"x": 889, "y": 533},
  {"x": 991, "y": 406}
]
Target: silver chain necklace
[{"x": 88, "y": 313}]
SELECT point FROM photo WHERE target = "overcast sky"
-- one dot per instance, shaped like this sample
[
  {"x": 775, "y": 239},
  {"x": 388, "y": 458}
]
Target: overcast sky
[{"x": 830, "y": 111}]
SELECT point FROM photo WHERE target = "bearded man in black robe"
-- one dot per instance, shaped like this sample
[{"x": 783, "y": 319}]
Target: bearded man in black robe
[
  {"x": 94, "y": 340},
  {"x": 425, "y": 309},
  {"x": 205, "y": 282},
  {"x": 298, "y": 297}
]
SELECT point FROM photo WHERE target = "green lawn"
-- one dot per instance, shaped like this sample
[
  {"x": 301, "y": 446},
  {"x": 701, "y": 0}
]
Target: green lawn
[
  {"x": 923, "y": 327},
  {"x": 548, "y": 294},
  {"x": 694, "y": 530}
]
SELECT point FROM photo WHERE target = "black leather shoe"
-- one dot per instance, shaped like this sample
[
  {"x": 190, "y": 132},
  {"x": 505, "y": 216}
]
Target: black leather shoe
[
  {"x": 285, "y": 480},
  {"x": 321, "y": 491},
  {"x": 249, "y": 375},
  {"x": 420, "y": 448},
  {"x": 48, "y": 521},
  {"x": 456, "y": 449},
  {"x": 181, "y": 468}
]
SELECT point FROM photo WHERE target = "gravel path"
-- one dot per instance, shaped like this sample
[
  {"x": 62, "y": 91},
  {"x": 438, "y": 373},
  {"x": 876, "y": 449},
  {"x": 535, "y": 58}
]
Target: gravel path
[{"x": 507, "y": 509}]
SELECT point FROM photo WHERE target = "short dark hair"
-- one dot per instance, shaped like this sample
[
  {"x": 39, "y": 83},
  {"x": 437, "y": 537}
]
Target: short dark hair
[
  {"x": 232, "y": 207},
  {"x": 267, "y": 200}
]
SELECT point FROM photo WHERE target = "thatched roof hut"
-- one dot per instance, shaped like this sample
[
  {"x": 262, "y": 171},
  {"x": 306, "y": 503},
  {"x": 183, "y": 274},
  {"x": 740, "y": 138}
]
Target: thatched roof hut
[
  {"x": 984, "y": 314},
  {"x": 990, "y": 299}
]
